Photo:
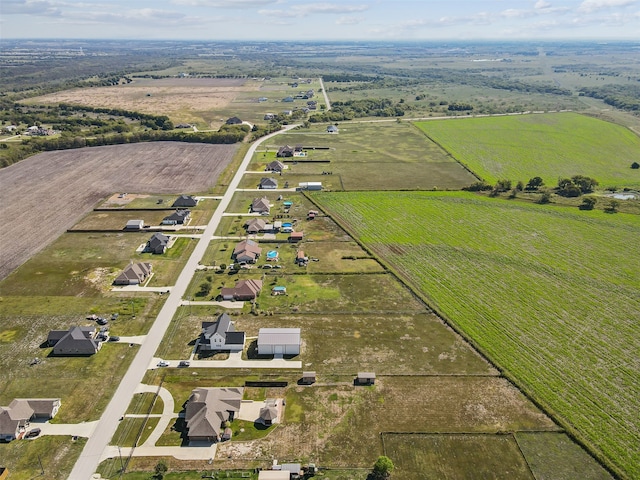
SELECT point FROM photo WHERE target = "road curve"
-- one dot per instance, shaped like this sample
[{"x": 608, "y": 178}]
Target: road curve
[{"x": 92, "y": 452}]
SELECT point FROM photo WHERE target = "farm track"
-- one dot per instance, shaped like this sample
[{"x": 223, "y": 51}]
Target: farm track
[{"x": 46, "y": 194}]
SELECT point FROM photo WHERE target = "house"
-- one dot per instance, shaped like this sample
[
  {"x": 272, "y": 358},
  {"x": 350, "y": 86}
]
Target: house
[
  {"x": 243, "y": 290},
  {"x": 255, "y": 225},
  {"x": 179, "y": 217},
  {"x": 285, "y": 151},
  {"x": 268, "y": 415},
  {"x": 279, "y": 341},
  {"x": 75, "y": 341},
  {"x": 268, "y": 184},
  {"x": 220, "y": 335},
  {"x": 233, "y": 121},
  {"x": 247, "y": 251},
  {"x": 308, "y": 378},
  {"x": 296, "y": 236},
  {"x": 294, "y": 469},
  {"x": 184, "y": 201},
  {"x": 15, "y": 419},
  {"x": 260, "y": 205},
  {"x": 208, "y": 409},
  {"x": 365, "y": 378},
  {"x": 332, "y": 129},
  {"x": 134, "y": 225},
  {"x": 134, "y": 274},
  {"x": 279, "y": 290},
  {"x": 275, "y": 166},
  {"x": 287, "y": 99},
  {"x": 157, "y": 243},
  {"x": 310, "y": 185}
]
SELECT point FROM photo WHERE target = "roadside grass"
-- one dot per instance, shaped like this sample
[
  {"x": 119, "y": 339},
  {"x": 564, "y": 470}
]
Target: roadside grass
[
  {"x": 184, "y": 330},
  {"x": 56, "y": 454},
  {"x": 141, "y": 468},
  {"x": 129, "y": 429},
  {"x": 548, "y": 293},
  {"x": 117, "y": 219},
  {"x": 456, "y": 456},
  {"x": 551, "y": 146},
  {"x": 555, "y": 455},
  {"x": 167, "y": 267},
  {"x": 394, "y": 155},
  {"x": 141, "y": 403}
]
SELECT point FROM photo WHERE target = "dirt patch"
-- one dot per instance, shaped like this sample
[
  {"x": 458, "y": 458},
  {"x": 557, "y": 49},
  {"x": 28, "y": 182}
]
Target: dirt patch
[{"x": 46, "y": 194}]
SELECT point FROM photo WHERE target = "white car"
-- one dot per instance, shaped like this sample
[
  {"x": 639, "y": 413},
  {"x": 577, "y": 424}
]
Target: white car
[{"x": 163, "y": 363}]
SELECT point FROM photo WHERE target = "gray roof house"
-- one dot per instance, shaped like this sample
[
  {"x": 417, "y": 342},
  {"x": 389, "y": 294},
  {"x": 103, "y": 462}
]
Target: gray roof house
[
  {"x": 157, "y": 243},
  {"x": 207, "y": 409},
  {"x": 220, "y": 335},
  {"x": 268, "y": 183},
  {"x": 279, "y": 341},
  {"x": 134, "y": 274},
  {"x": 75, "y": 341},
  {"x": 332, "y": 129},
  {"x": 260, "y": 205},
  {"x": 185, "y": 201},
  {"x": 285, "y": 151},
  {"x": 233, "y": 121},
  {"x": 15, "y": 419},
  {"x": 275, "y": 166},
  {"x": 179, "y": 217}
]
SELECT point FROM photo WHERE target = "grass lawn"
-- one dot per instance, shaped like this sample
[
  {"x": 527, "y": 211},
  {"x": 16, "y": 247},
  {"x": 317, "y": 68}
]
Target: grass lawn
[
  {"x": 394, "y": 155},
  {"x": 549, "y": 293},
  {"x": 141, "y": 403},
  {"x": 130, "y": 428},
  {"x": 117, "y": 219},
  {"x": 57, "y": 454},
  {"x": 550, "y": 146},
  {"x": 456, "y": 456}
]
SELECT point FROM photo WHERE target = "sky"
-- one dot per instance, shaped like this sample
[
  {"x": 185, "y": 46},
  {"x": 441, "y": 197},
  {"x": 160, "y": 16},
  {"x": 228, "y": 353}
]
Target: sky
[{"x": 300, "y": 20}]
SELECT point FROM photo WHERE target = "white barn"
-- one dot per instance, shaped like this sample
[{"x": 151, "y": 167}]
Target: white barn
[{"x": 279, "y": 341}]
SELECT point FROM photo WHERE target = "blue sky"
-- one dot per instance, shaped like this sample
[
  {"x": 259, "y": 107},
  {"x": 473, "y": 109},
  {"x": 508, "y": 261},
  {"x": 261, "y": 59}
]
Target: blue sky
[{"x": 321, "y": 20}]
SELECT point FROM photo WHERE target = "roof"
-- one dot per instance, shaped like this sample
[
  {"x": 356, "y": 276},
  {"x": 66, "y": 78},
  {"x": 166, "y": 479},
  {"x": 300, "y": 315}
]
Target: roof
[
  {"x": 268, "y": 182},
  {"x": 207, "y": 408},
  {"x": 221, "y": 326},
  {"x": 261, "y": 205},
  {"x": 247, "y": 246},
  {"x": 22, "y": 409},
  {"x": 275, "y": 165},
  {"x": 157, "y": 240},
  {"x": 269, "y": 413},
  {"x": 77, "y": 341},
  {"x": 274, "y": 475},
  {"x": 366, "y": 375},
  {"x": 297, "y": 234},
  {"x": 235, "y": 338},
  {"x": 134, "y": 224},
  {"x": 255, "y": 224},
  {"x": 185, "y": 201},
  {"x": 177, "y": 216},
  {"x": 279, "y": 336},
  {"x": 233, "y": 121},
  {"x": 134, "y": 271},
  {"x": 244, "y": 288}
]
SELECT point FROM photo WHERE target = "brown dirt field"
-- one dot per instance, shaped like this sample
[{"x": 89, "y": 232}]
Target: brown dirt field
[
  {"x": 168, "y": 96},
  {"x": 46, "y": 194}
]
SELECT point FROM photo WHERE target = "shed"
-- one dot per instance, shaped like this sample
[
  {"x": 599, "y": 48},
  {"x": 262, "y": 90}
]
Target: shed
[
  {"x": 310, "y": 185},
  {"x": 269, "y": 414},
  {"x": 366, "y": 378},
  {"x": 296, "y": 236},
  {"x": 274, "y": 475},
  {"x": 134, "y": 225},
  {"x": 308, "y": 378},
  {"x": 279, "y": 341}
]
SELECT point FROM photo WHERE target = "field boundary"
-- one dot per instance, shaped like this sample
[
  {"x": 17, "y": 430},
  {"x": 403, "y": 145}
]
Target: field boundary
[{"x": 430, "y": 304}]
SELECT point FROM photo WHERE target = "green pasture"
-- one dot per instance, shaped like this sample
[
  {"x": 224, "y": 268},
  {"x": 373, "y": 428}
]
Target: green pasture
[
  {"x": 386, "y": 155},
  {"x": 456, "y": 456},
  {"x": 550, "y": 146},
  {"x": 549, "y": 293},
  {"x": 45, "y": 457}
]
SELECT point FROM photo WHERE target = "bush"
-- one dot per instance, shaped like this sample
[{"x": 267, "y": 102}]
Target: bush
[{"x": 635, "y": 165}]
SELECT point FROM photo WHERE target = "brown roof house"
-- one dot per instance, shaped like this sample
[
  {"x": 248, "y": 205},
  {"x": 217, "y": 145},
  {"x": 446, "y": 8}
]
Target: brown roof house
[
  {"x": 208, "y": 409},
  {"x": 260, "y": 205},
  {"x": 157, "y": 243},
  {"x": 255, "y": 225},
  {"x": 15, "y": 419},
  {"x": 75, "y": 341},
  {"x": 134, "y": 274},
  {"x": 243, "y": 290},
  {"x": 185, "y": 201},
  {"x": 285, "y": 151},
  {"x": 220, "y": 335},
  {"x": 276, "y": 166},
  {"x": 247, "y": 251}
]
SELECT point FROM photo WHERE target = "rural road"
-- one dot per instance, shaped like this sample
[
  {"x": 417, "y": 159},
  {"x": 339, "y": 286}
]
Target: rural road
[
  {"x": 324, "y": 93},
  {"x": 98, "y": 442}
]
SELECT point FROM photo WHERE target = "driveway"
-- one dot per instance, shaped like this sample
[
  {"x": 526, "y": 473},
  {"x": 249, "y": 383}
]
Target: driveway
[{"x": 84, "y": 429}]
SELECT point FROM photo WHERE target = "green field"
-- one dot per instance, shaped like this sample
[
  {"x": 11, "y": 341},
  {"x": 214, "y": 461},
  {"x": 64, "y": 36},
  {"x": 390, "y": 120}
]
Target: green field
[
  {"x": 549, "y": 293},
  {"x": 550, "y": 146}
]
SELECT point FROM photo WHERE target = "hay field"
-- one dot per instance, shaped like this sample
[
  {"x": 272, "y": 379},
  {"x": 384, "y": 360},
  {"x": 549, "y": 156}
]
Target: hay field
[
  {"x": 48, "y": 193},
  {"x": 550, "y": 294}
]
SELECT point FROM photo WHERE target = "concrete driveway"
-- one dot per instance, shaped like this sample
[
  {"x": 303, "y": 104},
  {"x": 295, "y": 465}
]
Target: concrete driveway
[{"x": 84, "y": 429}]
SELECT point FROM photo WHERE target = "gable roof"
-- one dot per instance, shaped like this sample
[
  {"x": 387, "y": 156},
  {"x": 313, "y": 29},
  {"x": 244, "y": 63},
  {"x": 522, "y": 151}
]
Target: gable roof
[
  {"x": 268, "y": 182},
  {"x": 276, "y": 166},
  {"x": 185, "y": 201},
  {"x": 77, "y": 341},
  {"x": 255, "y": 224},
  {"x": 233, "y": 121},
  {"x": 247, "y": 247},
  {"x": 178, "y": 216},
  {"x": 158, "y": 241},
  {"x": 244, "y": 288},
  {"x": 134, "y": 271},
  {"x": 279, "y": 336},
  {"x": 207, "y": 408},
  {"x": 221, "y": 326},
  {"x": 260, "y": 205}
]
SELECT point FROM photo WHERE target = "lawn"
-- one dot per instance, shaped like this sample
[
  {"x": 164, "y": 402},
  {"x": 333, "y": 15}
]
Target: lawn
[
  {"x": 370, "y": 156},
  {"x": 548, "y": 293},
  {"x": 550, "y": 146}
]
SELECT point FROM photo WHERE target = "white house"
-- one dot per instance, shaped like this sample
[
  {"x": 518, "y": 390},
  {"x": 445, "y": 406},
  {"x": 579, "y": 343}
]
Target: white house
[
  {"x": 279, "y": 341},
  {"x": 221, "y": 335}
]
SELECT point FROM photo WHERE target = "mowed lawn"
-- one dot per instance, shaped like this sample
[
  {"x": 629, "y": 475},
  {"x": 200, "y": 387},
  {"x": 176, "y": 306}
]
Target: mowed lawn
[
  {"x": 550, "y": 146},
  {"x": 550, "y": 294}
]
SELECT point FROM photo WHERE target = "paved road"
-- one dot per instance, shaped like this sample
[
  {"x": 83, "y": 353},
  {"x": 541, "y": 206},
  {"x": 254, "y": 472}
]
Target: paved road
[
  {"x": 92, "y": 453},
  {"x": 324, "y": 93}
]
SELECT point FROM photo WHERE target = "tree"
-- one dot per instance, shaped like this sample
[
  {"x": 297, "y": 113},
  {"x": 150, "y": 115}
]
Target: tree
[
  {"x": 205, "y": 289},
  {"x": 160, "y": 469},
  {"x": 635, "y": 165},
  {"x": 534, "y": 183},
  {"x": 544, "y": 198},
  {"x": 612, "y": 207},
  {"x": 382, "y": 468},
  {"x": 588, "y": 203}
]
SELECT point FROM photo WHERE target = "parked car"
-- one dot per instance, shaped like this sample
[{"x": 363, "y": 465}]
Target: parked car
[
  {"x": 34, "y": 432},
  {"x": 163, "y": 363},
  {"x": 101, "y": 321},
  {"x": 114, "y": 338},
  {"x": 184, "y": 363},
  {"x": 114, "y": 316}
]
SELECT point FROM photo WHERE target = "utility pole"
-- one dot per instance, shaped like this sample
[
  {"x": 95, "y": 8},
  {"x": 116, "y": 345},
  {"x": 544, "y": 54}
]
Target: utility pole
[
  {"x": 133, "y": 308},
  {"x": 41, "y": 467},
  {"x": 121, "y": 464}
]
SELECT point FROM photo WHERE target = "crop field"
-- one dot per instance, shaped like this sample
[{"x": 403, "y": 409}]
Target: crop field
[
  {"x": 550, "y": 146},
  {"x": 495, "y": 269},
  {"x": 46, "y": 194},
  {"x": 395, "y": 156}
]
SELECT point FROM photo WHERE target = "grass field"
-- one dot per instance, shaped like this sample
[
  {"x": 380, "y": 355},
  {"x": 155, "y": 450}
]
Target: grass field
[
  {"x": 550, "y": 146},
  {"x": 549, "y": 293},
  {"x": 371, "y": 156}
]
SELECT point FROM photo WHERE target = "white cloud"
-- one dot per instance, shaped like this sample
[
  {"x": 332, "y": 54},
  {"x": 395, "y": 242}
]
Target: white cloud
[
  {"x": 28, "y": 7},
  {"x": 226, "y": 3},
  {"x": 589, "y": 6},
  {"x": 313, "y": 8},
  {"x": 346, "y": 20},
  {"x": 541, "y": 4}
]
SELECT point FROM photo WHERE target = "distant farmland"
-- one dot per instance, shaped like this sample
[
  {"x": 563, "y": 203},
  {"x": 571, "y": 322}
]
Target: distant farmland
[
  {"x": 550, "y": 146},
  {"x": 551, "y": 294}
]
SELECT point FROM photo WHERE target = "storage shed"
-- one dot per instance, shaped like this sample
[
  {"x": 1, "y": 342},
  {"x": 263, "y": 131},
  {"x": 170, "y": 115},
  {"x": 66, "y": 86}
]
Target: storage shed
[
  {"x": 279, "y": 341},
  {"x": 366, "y": 378}
]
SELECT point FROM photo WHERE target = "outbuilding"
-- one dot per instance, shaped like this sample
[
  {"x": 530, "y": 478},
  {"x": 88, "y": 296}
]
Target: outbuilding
[
  {"x": 366, "y": 378},
  {"x": 279, "y": 341}
]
